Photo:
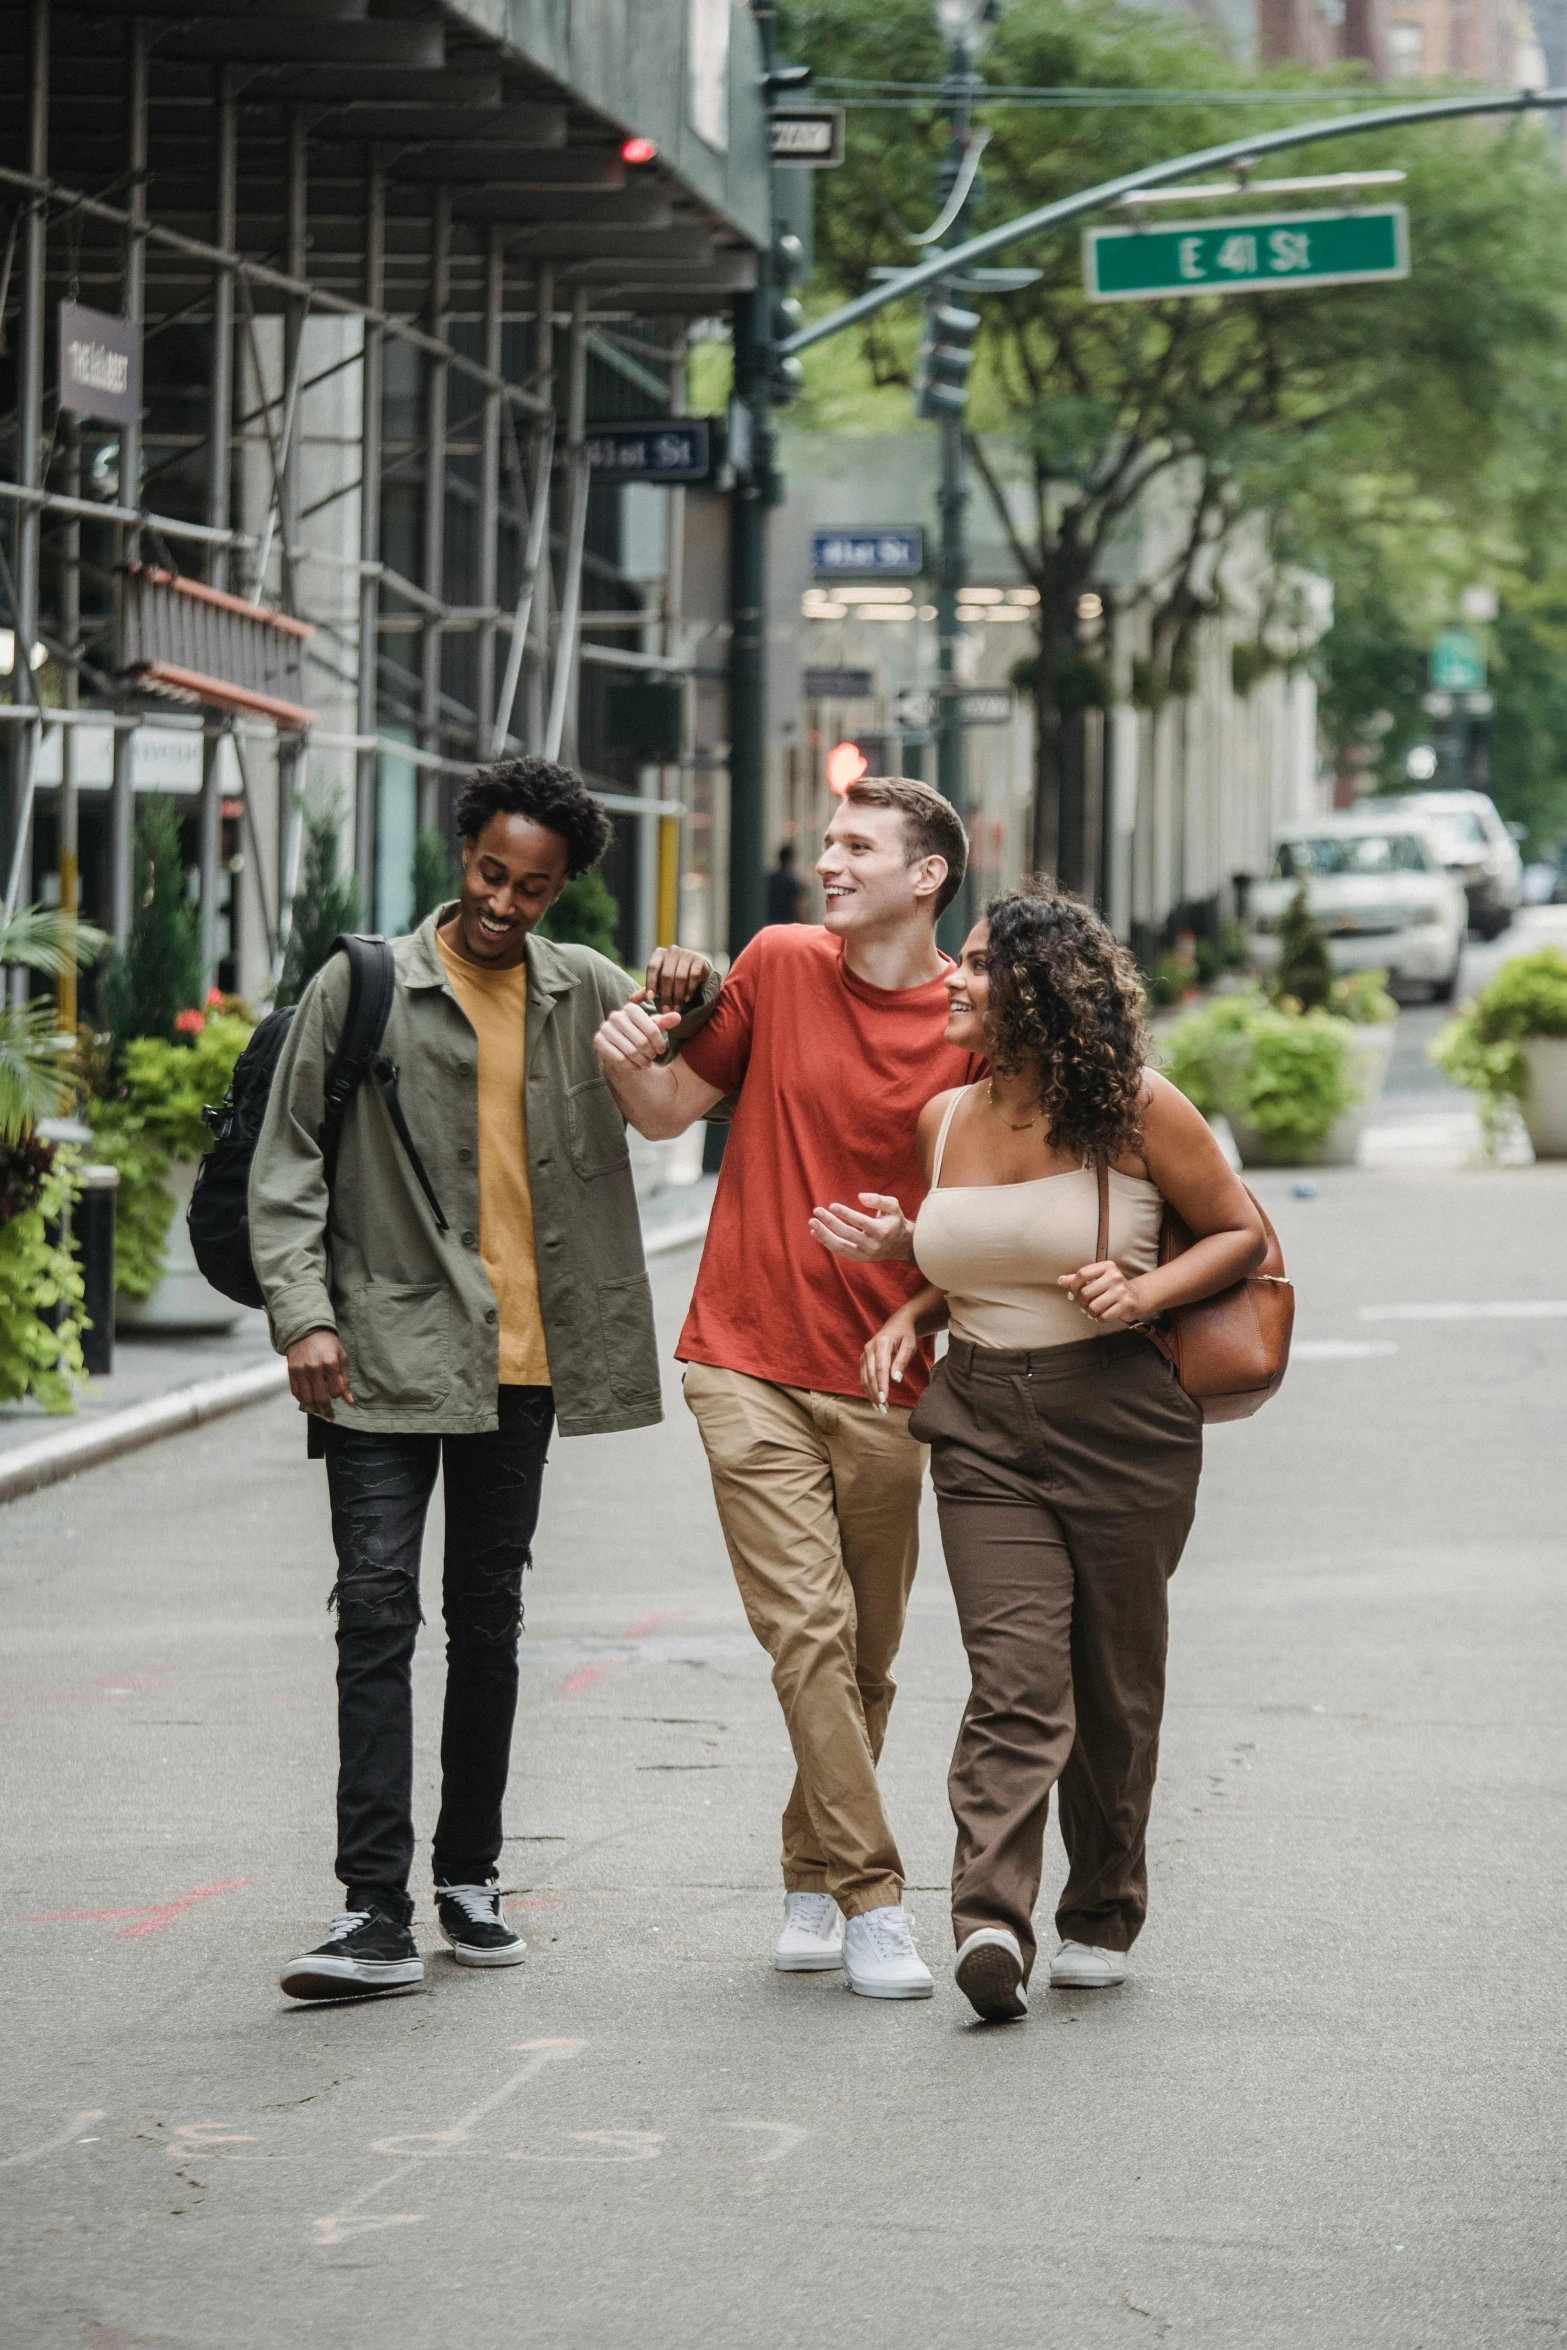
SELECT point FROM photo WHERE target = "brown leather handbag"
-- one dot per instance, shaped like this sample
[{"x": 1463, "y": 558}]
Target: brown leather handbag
[{"x": 1229, "y": 1351}]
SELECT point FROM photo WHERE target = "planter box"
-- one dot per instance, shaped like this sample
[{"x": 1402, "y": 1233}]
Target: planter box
[
  {"x": 183, "y": 1299},
  {"x": 1369, "y": 1054},
  {"x": 1544, "y": 1106}
]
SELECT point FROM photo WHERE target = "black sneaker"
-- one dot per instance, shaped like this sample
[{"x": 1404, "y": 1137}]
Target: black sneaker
[
  {"x": 365, "y": 1951},
  {"x": 472, "y": 1922}
]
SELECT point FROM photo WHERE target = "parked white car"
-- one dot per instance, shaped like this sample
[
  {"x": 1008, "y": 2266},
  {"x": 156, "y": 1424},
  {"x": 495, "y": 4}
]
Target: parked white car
[
  {"x": 1474, "y": 844},
  {"x": 1379, "y": 890}
]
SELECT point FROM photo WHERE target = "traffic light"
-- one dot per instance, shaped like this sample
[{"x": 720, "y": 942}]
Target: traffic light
[
  {"x": 946, "y": 356},
  {"x": 784, "y": 316}
]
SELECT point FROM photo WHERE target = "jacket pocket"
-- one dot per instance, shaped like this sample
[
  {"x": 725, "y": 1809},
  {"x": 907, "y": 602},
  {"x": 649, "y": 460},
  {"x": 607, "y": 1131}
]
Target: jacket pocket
[
  {"x": 595, "y": 1129},
  {"x": 398, "y": 1337},
  {"x": 630, "y": 1349}
]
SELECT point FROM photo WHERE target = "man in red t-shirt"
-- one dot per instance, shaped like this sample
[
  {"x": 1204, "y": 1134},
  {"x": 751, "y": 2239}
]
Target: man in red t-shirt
[{"x": 831, "y": 1039}]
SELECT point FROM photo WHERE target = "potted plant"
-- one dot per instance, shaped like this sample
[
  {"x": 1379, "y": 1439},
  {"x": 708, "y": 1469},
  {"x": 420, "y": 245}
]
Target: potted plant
[{"x": 1509, "y": 1047}]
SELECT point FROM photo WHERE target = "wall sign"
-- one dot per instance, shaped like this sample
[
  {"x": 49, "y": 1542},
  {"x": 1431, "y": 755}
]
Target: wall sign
[{"x": 100, "y": 365}]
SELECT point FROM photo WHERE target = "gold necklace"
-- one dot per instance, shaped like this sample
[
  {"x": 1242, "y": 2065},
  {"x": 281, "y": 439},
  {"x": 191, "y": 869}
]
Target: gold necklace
[{"x": 990, "y": 1088}]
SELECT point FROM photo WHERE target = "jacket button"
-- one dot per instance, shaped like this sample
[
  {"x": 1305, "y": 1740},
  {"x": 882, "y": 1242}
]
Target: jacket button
[
  {"x": 470, "y": 1240},
  {"x": 464, "y": 1156},
  {"x": 492, "y": 1317},
  {"x": 544, "y": 1160}
]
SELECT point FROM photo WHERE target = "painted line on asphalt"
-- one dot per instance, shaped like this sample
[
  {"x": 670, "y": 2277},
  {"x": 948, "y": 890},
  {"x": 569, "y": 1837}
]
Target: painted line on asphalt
[
  {"x": 29, "y": 1467},
  {"x": 1340, "y": 1350},
  {"x": 1522, "y": 1309},
  {"x": 350, "y": 2220},
  {"x": 591, "y": 1673},
  {"x": 155, "y": 1915},
  {"x": 96, "y": 2113}
]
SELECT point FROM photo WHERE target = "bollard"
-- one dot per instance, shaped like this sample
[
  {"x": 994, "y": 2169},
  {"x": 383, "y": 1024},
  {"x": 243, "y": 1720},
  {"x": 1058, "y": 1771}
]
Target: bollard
[{"x": 92, "y": 1232}]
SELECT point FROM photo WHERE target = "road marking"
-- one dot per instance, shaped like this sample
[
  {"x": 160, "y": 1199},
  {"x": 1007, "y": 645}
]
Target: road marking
[
  {"x": 1340, "y": 1350},
  {"x": 335, "y": 2227},
  {"x": 154, "y": 1915},
  {"x": 1523, "y": 1309},
  {"x": 96, "y": 2113},
  {"x": 193, "y": 2138},
  {"x": 630, "y": 2146},
  {"x": 788, "y": 2136},
  {"x": 591, "y": 1673}
]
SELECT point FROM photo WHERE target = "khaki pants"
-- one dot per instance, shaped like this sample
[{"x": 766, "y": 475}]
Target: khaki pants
[
  {"x": 818, "y": 1497},
  {"x": 1066, "y": 1482}
]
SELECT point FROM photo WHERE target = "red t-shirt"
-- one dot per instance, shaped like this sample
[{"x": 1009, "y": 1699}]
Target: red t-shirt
[{"x": 832, "y": 1075}]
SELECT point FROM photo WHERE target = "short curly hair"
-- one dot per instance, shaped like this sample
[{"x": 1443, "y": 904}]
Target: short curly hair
[
  {"x": 1066, "y": 1005},
  {"x": 553, "y": 796}
]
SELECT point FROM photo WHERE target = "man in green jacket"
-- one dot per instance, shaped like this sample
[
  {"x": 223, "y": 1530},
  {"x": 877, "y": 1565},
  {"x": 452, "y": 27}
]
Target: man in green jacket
[{"x": 461, "y": 1325}]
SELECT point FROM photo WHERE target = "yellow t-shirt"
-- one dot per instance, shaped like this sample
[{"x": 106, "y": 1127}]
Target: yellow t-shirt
[{"x": 496, "y": 1003}]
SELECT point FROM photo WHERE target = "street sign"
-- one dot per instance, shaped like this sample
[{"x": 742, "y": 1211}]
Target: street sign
[
  {"x": 1361, "y": 246},
  {"x": 806, "y": 134},
  {"x": 868, "y": 551},
  {"x": 1458, "y": 662},
  {"x": 675, "y": 450},
  {"x": 913, "y": 709},
  {"x": 100, "y": 365},
  {"x": 986, "y": 705},
  {"x": 839, "y": 685}
]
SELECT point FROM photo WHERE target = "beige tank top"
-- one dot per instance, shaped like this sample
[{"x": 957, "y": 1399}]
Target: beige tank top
[{"x": 999, "y": 1249}]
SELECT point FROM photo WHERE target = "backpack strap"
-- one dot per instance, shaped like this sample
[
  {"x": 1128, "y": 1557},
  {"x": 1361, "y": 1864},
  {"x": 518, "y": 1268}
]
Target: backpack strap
[{"x": 372, "y": 983}]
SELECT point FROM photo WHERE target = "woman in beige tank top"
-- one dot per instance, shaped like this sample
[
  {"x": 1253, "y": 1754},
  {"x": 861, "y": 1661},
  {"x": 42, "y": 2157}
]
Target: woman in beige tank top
[{"x": 1064, "y": 1453}]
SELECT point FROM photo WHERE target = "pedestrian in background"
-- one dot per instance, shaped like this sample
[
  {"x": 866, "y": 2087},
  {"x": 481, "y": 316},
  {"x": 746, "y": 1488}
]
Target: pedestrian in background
[
  {"x": 451, "y": 1332},
  {"x": 786, "y": 892},
  {"x": 1065, "y": 1454},
  {"x": 830, "y": 1037}
]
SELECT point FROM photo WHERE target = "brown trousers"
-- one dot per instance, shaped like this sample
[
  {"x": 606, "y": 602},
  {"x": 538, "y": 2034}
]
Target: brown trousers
[
  {"x": 818, "y": 1496},
  {"x": 1066, "y": 1481}
]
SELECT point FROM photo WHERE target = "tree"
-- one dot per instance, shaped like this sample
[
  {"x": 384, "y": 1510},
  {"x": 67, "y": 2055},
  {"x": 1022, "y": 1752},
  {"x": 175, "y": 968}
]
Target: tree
[
  {"x": 158, "y": 974},
  {"x": 436, "y": 873},
  {"x": 325, "y": 904},
  {"x": 35, "y": 1080},
  {"x": 585, "y": 915},
  {"x": 1305, "y": 970},
  {"x": 1278, "y": 405}
]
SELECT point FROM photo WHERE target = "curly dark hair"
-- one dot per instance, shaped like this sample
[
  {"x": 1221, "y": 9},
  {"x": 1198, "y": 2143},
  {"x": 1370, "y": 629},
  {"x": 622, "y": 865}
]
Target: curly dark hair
[
  {"x": 549, "y": 795},
  {"x": 1066, "y": 1004}
]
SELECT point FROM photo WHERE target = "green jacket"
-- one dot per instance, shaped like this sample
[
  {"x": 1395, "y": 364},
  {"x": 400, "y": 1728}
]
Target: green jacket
[{"x": 413, "y": 1305}]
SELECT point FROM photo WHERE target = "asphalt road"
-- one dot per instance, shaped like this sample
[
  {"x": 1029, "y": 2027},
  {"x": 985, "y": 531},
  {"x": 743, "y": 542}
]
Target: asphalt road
[{"x": 1327, "y": 2109}]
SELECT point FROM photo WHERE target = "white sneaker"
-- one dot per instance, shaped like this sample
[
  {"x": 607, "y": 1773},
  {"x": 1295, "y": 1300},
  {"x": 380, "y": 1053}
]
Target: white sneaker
[
  {"x": 1078, "y": 1966},
  {"x": 988, "y": 1970},
  {"x": 880, "y": 1959},
  {"x": 812, "y": 1939}
]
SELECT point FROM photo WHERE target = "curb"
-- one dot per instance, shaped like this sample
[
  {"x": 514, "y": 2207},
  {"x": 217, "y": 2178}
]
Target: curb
[{"x": 31, "y": 1466}]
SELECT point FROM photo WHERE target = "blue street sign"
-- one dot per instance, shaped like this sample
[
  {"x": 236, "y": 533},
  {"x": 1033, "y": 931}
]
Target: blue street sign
[
  {"x": 676, "y": 450},
  {"x": 871, "y": 551}
]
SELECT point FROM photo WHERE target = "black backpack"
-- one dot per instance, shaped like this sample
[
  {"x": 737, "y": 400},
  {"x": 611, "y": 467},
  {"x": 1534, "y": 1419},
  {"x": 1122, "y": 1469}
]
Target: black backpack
[{"x": 219, "y": 1219}]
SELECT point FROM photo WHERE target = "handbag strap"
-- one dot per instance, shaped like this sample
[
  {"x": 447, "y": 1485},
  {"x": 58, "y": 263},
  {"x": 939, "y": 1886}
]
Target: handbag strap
[{"x": 1102, "y": 1244}]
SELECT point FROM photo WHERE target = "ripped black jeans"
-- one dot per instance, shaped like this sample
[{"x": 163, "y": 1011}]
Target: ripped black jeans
[{"x": 380, "y": 1487}]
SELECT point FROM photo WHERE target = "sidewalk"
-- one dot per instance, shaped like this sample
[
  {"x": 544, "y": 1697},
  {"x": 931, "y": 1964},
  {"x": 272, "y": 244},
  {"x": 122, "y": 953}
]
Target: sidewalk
[{"x": 165, "y": 1382}]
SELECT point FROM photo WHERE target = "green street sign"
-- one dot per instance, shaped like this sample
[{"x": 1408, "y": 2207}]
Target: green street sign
[
  {"x": 1361, "y": 246},
  {"x": 1458, "y": 662}
]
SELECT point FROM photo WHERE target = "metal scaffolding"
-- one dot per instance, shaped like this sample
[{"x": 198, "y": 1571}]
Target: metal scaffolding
[{"x": 367, "y": 253}]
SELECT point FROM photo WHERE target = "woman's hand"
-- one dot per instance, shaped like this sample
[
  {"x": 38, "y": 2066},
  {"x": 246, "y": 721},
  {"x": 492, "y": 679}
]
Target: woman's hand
[
  {"x": 883, "y": 1235},
  {"x": 888, "y": 1354},
  {"x": 1106, "y": 1293}
]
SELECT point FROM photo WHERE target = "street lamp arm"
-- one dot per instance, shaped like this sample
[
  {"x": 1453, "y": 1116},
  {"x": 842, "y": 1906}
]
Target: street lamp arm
[{"x": 1152, "y": 175}]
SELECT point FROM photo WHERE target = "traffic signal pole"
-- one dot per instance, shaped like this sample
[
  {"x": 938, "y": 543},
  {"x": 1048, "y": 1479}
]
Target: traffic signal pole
[{"x": 952, "y": 495}]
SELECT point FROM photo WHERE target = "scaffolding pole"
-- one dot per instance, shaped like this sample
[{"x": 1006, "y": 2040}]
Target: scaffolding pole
[
  {"x": 536, "y": 551},
  {"x": 122, "y": 805},
  {"x": 562, "y": 694},
  {"x": 370, "y": 529},
  {"x": 29, "y": 439},
  {"x": 220, "y": 428},
  {"x": 490, "y": 478},
  {"x": 434, "y": 547}
]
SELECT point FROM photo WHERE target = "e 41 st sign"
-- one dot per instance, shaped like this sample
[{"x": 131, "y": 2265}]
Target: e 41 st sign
[{"x": 1364, "y": 245}]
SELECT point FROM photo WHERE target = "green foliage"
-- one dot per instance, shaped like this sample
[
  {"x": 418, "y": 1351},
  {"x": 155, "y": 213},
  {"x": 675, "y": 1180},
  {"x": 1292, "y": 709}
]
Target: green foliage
[
  {"x": 1361, "y": 997},
  {"x": 1305, "y": 967},
  {"x": 584, "y": 915},
  {"x": 437, "y": 874},
  {"x": 37, "y": 1276},
  {"x": 325, "y": 905},
  {"x": 153, "y": 1117},
  {"x": 158, "y": 975},
  {"x": 36, "y": 1079},
  {"x": 1285, "y": 1074},
  {"x": 1480, "y": 1050}
]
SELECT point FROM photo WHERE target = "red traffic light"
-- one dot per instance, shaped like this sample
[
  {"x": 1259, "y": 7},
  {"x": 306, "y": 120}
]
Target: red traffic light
[
  {"x": 846, "y": 763},
  {"x": 638, "y": 150}
]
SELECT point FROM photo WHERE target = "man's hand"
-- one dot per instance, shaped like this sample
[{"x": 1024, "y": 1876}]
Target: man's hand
[
  {"x": 318, "y": 1370},
  {"x": 883, "y": 1236},
  {"x": 675, "y": 977},
  {"x": 633, "y": 1037}
]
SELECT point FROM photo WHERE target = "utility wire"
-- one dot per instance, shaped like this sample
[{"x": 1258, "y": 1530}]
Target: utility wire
[{"x": 843, "y": 92}]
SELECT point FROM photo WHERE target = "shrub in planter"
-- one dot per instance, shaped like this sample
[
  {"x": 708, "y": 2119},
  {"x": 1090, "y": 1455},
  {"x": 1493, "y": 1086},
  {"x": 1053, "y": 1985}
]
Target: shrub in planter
[
  {"x": 158, "y": 975},
  {"x": 153, "y": 1118},
  {"x": 1362, "y": 997},
  {"x": 1304, "y": 975},
  {"x": 1287, "y": 1076},
  {"x": 1486, "y": 1047},
  {"x": 40, "y": 1284}
]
